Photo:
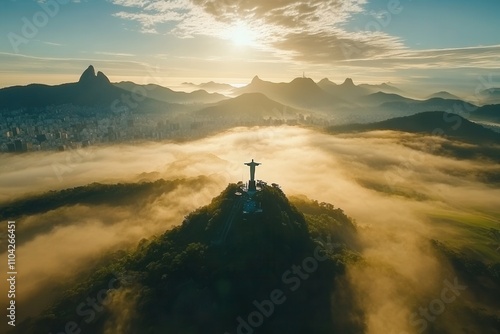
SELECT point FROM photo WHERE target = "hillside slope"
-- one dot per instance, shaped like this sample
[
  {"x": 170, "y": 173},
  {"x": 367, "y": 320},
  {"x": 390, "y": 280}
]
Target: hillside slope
[
  {"x": 249, "y": 105},
  {"x": 91, "y": 90},
  {"x": 274, "y": 271},
  {"x": 431, "y": 123}
]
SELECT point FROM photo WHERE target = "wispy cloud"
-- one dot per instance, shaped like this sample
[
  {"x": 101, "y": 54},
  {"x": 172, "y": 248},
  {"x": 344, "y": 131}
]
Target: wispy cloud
[
  {"x": 292, "y": 29},
  {"x": 15, "y": 66},
  {"x": 394, "y": 228},
  {"x": 149, "y": 21},
  {"x": 114, "y": 54},
  {"x": 6, "y": 57},
  {"x": 482, "y": 57},
  {"x": 49, "y": 43},
  {"x": 149, "y": 14},
  {"x": 311, "y": 32},
  {"x": 74, "y": 1}
]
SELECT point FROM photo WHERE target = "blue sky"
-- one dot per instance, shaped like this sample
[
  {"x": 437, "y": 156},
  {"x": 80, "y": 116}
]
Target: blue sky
[
  {"x": 431, "y": 24},
  {"x": 446, "y": 44}
]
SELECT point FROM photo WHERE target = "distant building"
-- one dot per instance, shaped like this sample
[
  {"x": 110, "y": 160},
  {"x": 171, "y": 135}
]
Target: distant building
[
  {"x": 41, "y": 138},
  {"x": 20, "y": 145},
  {"x": 11, "y": 147}
]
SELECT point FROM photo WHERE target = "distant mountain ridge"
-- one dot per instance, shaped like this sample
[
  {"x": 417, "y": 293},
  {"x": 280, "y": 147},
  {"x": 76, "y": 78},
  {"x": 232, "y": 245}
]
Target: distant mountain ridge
[
  {"x": 431, "y": 123},
  {"x": 489, "y": 113},
  {"x": 89, "y": 77},
  {"x": 348, "y": 87},
  {"x": 384, "y": 87},
  {"x": 248, "y": 105},
  {"x": 91, "y": 90},
  {"x": 325, "y": 99},
  {"x": 415, "y": 106},
  {"x": 346, "y": 91},
  {"x": 444, "y": 95},
  {"x": 165, "y": 94},
  {"x": 490, "y": 96},
  {"x": 211, "y": 86},
  {"x": 300, "y": 92},
  {"x": 380, "y": 98}
]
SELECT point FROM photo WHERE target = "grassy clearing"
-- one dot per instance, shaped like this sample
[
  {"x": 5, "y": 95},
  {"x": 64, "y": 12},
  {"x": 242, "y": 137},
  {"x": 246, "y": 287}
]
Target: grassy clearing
[{"x": 473, "y": 233}]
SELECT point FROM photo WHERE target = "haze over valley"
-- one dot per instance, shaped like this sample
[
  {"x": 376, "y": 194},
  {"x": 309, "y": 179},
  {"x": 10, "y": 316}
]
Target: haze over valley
[{"x": 268, "y": 167}]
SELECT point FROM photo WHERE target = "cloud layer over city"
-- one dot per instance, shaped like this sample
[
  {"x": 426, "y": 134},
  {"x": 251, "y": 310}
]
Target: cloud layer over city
[{"x": 347, "y": 171}]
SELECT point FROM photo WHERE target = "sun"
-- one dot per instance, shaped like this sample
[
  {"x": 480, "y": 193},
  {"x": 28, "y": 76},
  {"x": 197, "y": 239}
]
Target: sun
[{"x": 242, "y": 35}]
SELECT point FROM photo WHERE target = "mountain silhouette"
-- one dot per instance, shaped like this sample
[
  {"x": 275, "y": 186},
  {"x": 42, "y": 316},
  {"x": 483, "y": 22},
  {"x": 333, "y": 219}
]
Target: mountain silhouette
[
  {"x": 300, "y": 92},
  {"x": 431, "y": 122},
  {"x": 348, "y": 83},
  {"x": 91, "y": 90},
  {"x": 165, "y": 94},
  {"x": 415, "y": 106},
  {"x": 489, "y": 113},
  {"x": 384, "y": 87},
  {"x": 381, "y": 98},
  {"x": 89, "y": 78},
  {"x": 211, "y": 86},
  {"x": 349, "y": 91},
  {"x": 490, "y": 96},
  {"x": 444, "y": 95},
  {"x": 326, "y": 84},
  {"x": 274, "y": 272},
  {"x": 346, "y": 91},
  {"x": 249, "y": 105}
]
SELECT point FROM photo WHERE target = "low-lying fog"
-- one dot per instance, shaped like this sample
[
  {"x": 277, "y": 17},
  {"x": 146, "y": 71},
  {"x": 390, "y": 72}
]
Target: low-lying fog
[{"x": 354, "y": 172}]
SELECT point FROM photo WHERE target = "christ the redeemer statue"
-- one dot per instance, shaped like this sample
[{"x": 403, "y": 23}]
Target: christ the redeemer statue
[{"x": 252, "y": 169}]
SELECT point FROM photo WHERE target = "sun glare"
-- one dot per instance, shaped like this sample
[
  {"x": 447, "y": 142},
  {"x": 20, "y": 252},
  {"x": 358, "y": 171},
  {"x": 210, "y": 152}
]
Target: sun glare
[{"x": 241, "y": 35}]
